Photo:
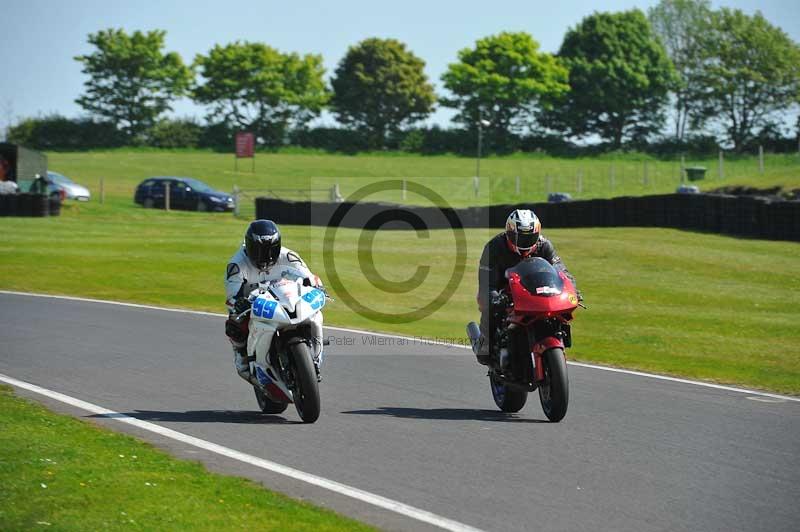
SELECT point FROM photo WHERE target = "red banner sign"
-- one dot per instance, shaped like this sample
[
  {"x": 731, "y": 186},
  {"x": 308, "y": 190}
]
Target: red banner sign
[{"x": 245, "y": 145}]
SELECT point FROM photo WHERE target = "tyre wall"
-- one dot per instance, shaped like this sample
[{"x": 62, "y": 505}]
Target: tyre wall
[
  {"x": 730, "y": 215},
  {"x": 32, "y": 205}
]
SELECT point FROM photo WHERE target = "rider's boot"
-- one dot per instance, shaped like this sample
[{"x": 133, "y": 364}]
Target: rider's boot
[
  {"x": 241, "y": 362},
  {"x": 483, "y": 355}
]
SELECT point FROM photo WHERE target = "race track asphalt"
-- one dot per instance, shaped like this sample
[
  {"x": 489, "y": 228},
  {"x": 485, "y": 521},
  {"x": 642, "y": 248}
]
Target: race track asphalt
[{"x": 416, "y": 423}]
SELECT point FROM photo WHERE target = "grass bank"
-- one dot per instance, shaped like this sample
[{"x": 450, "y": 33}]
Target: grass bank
[
  {"x": 696, "y": 305},
  {"x": 59, "y": 473},
  {"x": 299, "y": 175}
]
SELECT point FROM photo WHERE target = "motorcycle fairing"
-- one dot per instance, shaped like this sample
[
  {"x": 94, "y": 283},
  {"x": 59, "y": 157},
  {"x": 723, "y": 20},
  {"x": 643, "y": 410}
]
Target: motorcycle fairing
[
  {"x": 551, "y": 304},
  {"x": 283, "y": 305}
]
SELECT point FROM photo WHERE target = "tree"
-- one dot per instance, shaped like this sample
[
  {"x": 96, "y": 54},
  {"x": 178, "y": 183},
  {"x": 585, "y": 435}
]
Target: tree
[
  {"x": 504, "y": 79},
  {"x": 619, "y": 75},
  {"x": 680, "y": 24},
  {"x": 750, "y": 72},
  {"x": 254, "y": 87},
  {"x": 7, "y": 113},
  {"x": 131, "y": 81},
  {"x": 380, "y": 88}
]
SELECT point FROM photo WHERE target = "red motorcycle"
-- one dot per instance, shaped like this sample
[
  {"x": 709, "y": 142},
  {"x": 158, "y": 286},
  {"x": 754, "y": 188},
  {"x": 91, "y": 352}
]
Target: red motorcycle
[{"x": 532, "y": 321}]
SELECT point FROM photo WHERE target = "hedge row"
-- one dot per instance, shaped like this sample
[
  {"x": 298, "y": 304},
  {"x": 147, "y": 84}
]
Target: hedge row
[{"x": 61, "y": 133}]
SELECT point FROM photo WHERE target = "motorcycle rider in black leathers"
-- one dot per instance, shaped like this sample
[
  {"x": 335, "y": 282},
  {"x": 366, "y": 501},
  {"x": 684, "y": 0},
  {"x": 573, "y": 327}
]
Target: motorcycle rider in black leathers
[{"x": 521, "y": 239}]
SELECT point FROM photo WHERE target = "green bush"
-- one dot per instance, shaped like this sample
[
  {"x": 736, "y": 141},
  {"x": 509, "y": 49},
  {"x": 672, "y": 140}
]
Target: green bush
[
  {"x": 413, "y": 141},
  {"x": 329, "y": 139},
  {"x": 180, "y": 133},
  {"x": 217, "y": 136}
]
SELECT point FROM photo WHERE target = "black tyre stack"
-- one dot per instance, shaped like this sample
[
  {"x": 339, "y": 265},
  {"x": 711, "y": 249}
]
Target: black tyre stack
[
  {"x": 54, "y": 207},
  {"x": 40, "y": 205},
  {"x": 733, "y": 215},
  {"x": 29, "y": 205}
]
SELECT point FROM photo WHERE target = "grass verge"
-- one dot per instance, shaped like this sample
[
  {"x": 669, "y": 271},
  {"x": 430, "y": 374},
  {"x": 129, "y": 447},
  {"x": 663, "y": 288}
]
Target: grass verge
[{"x": 59, "y": 473}]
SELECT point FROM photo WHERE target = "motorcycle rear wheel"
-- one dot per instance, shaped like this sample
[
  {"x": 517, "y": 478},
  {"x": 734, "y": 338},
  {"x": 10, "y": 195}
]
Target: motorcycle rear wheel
[
  {"x": 306, "y": 392},
  {"x": 506, "y": 399},
  {"x": 554, "y": 391},
  {"x": 267, "y": 405}
]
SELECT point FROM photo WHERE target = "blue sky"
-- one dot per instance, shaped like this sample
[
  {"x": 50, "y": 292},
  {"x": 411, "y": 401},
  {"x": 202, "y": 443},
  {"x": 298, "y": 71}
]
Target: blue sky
[{"x": 39, "y": 38}]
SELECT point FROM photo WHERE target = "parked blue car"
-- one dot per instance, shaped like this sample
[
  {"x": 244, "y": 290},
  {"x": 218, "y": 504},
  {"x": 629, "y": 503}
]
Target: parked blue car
[{"x": 184, "y": 193}]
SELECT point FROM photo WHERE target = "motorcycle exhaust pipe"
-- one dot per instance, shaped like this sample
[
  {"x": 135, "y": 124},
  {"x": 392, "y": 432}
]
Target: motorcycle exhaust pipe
[{"x": 474, "y": 334}]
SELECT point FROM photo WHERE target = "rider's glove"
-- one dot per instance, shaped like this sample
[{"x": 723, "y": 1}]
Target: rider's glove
[
  {"x": 314, "y": 281},
  {"x": 242, "y": 304},
  {"x": 580, "y": 296},
  {"x": 498, "y": 299}
]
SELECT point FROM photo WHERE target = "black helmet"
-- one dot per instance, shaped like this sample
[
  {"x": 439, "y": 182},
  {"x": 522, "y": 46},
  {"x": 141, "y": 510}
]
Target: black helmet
[{"x": 262, "y": 243}]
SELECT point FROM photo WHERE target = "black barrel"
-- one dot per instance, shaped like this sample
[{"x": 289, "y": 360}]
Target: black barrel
[
  {"x": 40, "y": 205},
  {"x": 55, "y": 207},
  {"x": 24, "y": 204}
]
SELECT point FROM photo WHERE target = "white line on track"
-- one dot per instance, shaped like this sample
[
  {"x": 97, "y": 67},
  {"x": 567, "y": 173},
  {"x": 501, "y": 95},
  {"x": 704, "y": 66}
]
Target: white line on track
[
  {"x": 445, "y": 344},
  {"x": 342, "y": 489}
]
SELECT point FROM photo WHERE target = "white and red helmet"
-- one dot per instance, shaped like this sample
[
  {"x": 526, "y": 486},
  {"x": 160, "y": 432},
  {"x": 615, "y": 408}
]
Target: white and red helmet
[{"x": 522, "y": 231}]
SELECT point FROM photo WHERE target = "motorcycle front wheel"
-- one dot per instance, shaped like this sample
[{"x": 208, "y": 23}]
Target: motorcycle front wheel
[
  {"x": 554, "y": 391},
  {"x": 267, "y": 405},
  {"x": 506, "y": 399},
  {"x": 306, "y": 392}
]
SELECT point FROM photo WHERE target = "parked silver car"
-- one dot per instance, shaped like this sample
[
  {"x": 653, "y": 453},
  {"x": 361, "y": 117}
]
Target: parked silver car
[{"x": 71, "y": 190}]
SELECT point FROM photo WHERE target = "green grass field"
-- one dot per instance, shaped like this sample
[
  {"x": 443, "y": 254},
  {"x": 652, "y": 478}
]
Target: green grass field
[
  {"x": 59, "y": 473},
  {"x": 696, "y": 305},
  {"x": 304, "y": 174}
]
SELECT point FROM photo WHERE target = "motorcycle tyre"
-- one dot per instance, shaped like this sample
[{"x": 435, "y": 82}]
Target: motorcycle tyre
[
  {"x": 306, "y": 393},
  {"x": 554, "y": 392},
  {"x": 507, "y": 399}
]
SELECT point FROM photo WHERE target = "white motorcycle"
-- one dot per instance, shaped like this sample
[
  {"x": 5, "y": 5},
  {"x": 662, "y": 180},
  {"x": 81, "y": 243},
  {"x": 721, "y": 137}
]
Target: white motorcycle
[{"x": 281, "y": 339}]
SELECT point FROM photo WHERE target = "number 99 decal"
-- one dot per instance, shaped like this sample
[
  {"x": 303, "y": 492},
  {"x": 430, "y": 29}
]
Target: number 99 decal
[
  {"x": 315, "y": 298},
  {"x": 264, "y": 308}
]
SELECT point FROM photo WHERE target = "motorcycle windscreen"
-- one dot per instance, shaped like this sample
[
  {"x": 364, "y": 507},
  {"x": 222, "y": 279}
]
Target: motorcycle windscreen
[{"x": 538, "y": 277}]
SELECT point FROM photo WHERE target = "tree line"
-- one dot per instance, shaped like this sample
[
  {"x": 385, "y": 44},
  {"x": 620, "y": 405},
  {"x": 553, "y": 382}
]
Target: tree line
[{"x": 721, "y": 74}]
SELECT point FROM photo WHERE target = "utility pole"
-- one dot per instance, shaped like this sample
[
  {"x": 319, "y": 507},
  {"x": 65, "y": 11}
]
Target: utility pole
[{"x": 480, "y": 145}]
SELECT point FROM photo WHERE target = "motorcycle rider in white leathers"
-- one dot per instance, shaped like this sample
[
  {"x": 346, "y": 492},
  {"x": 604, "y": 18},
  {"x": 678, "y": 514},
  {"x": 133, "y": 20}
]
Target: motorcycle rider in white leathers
[{"x": 262, "y": 258}]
